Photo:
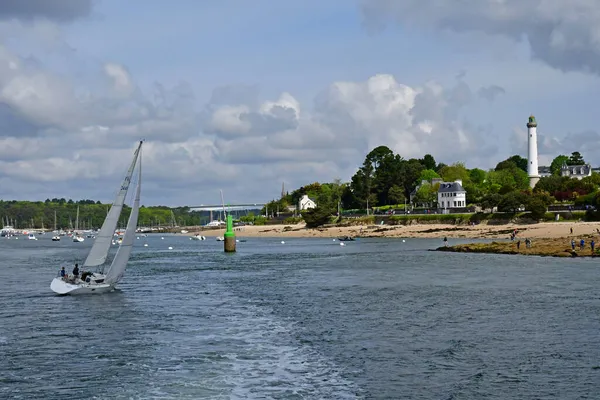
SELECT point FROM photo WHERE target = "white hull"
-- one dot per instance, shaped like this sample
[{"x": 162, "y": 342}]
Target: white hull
[
  {"x": 102, "y": 283},
  {"x": 59, "y": 286},
  {"x": 198, "y": 237}
]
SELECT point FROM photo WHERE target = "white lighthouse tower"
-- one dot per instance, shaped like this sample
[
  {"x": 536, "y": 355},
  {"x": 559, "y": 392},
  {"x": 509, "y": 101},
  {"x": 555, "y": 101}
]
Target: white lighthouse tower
[{"x": 532, "y": 153}]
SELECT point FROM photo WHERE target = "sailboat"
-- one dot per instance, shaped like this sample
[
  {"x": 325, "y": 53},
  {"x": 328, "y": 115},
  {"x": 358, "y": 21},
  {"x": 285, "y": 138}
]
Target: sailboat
[
  {"x": 108, "y": 275},
  {"x": 76, "y": 237},
  {"x": 56, "y": 237}
]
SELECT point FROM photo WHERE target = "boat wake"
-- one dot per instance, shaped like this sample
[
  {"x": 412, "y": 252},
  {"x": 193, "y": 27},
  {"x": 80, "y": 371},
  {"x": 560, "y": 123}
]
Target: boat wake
[
  {"x": 270, "y": 361},
  {"x": 246, "y": 352}
]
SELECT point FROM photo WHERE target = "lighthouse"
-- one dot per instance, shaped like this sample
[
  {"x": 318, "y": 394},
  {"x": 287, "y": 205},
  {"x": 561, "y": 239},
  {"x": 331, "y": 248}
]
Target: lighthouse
[{"x": 532, "y": 154}]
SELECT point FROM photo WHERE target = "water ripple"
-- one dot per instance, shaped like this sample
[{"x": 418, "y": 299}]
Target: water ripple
[{"x": 376, "y": 319}]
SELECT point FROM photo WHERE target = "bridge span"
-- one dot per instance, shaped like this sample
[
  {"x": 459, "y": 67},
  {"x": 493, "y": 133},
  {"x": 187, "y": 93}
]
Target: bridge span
[{"x": 228, "y": 207}]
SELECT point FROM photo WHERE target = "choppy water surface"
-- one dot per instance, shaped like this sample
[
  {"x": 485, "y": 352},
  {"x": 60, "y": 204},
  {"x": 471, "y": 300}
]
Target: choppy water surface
[{"x": 308, "y": 319}]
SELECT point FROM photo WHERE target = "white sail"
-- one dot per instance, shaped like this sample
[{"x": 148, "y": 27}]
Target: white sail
[
  {"x": 99, "y": 251},
  {"x": 119, "y": 263}
]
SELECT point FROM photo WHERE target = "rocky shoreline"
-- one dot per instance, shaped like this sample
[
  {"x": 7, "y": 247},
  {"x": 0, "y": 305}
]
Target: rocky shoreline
[{"x": 546, "y": 247}]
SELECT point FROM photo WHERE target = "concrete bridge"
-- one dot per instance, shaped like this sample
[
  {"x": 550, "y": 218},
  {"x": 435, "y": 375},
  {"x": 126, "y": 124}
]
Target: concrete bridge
[{"x": 228, "y": 207}]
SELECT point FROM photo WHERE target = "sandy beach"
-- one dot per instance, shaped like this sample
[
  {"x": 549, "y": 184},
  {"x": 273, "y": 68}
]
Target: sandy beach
[{"x": 533, "y": 231}]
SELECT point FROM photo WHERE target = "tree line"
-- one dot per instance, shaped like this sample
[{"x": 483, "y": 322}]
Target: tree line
[
  {"x": 38, "y": 214},
  {"x": 386, "y": 180}
]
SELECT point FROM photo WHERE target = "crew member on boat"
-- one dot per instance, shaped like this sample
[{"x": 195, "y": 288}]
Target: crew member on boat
[
  {"x": 62, "y": 272},
  {"x": 85, "y": 275},
  {"x": 76, "y": 270}
]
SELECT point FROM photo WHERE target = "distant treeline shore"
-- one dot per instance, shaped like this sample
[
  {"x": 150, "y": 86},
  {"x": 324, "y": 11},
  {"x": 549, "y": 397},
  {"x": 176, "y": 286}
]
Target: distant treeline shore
[{"x": 42, "y": 214}]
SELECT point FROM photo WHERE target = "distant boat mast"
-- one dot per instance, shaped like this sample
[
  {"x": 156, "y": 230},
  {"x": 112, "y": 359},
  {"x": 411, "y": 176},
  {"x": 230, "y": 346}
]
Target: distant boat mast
[{"x": 223, "y": 204}]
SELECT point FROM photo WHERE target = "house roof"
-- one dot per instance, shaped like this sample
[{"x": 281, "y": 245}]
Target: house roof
[
  {"x": 577, "y": 169},
  {"x": 450, "y": 187}
]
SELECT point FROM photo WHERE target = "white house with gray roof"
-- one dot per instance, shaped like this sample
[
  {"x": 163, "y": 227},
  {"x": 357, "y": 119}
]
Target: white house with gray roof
[
  {"x": 576, "y": 171},
  {"x": 452, "y": 195}
]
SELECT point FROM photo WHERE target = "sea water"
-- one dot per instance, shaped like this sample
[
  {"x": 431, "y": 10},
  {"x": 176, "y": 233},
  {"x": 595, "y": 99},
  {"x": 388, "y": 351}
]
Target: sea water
[{"x": 308, "y": 319}]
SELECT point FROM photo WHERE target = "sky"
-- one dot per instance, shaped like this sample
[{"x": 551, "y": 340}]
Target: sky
[{"x": 244, "y": 96}]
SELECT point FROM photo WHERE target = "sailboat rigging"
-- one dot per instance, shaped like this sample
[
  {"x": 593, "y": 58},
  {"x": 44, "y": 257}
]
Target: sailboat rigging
[
  {"x": 76, "y": 236},
  {"x": 108, "y": 275}
]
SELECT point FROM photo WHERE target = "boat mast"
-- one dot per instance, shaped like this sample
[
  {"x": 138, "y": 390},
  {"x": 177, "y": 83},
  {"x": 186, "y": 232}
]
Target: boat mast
[
  {"x": 223, "y": 204},
  {"x": 77, "y": 220}
]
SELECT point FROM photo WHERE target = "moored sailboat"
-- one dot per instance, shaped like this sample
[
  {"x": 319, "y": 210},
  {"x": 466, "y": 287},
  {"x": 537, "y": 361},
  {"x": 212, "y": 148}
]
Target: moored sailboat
[{"x": 107, "y": 276}]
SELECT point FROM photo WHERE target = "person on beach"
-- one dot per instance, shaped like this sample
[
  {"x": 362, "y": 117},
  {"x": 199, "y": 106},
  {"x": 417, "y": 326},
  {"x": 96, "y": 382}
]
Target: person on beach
[
  {"x": 518, "y": 244},
  {"x": 573, "y": 244},
  {"x": 581, "y": 244},
  {"x": 571, "y": 231},
  {"x": 592, "y": 245},
  {"x": 445, "y": 241}
]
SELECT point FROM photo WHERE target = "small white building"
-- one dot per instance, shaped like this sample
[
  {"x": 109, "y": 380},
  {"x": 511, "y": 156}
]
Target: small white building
[
  {"x": 452, "y": 195},
  {"x": 305, "y": 203}
]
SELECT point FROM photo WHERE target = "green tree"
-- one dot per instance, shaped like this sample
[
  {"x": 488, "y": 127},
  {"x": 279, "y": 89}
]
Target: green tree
[
  {"x": 557, "y": 164},
  {"x": 427, "y": 194},
  {"x": 477, "y": 176},
  {"x": 576, "y": 159},
  {"x": 490, "y": 201},
  {"x": 439, "y": 167},
  {"x": 428, "y": 175},
  {"x": 375, "y": 176},
  {"x": 362, "y": 185},
  {"x": 410, "y": 171},
  {"x": 428, "y": 162},
  {"x": 316, "y": 217},
  {"x": 387, "y": 175},
  {"x": 551, "y": 184},
  {"x": 544, "y": 197},
  {"x": 512, "y": 202},
  {"x": 475, "y": 193},
  {"x": 506, "y": 164},
  {"x": 514, "y": 178},
  {"x": 396, "y": 194},
  {"x": 536, "y": 207},
  {"x": 451, "y": 173},
  {"x": 519, "y": 161}
]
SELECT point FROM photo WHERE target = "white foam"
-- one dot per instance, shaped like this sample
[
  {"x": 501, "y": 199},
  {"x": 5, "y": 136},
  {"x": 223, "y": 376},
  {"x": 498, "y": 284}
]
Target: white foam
[{"x": 272, "y": 363}]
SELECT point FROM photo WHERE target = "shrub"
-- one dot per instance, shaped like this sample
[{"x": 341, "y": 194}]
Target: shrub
[
  {"x": 316, "y": 217},
  {"x": 293, "y": 220}
]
